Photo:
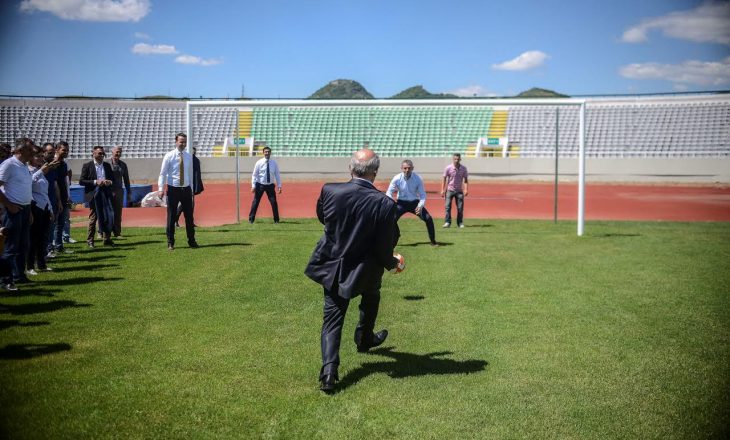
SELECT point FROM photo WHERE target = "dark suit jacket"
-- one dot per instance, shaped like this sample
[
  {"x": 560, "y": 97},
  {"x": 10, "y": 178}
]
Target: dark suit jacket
[
  {"x": 197, "y": 177},
  {"x": 88, "y": 177},
  {"x": 121, "y": 178},
  {"x": 360, "y": 231}
]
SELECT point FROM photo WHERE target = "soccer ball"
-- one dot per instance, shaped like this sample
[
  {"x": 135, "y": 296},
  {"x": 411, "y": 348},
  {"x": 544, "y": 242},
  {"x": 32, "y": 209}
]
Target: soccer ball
[{"x": 401, "y": 266}]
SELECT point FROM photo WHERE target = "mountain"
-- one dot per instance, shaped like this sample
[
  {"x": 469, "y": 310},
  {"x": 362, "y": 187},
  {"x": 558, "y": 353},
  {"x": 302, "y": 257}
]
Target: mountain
[
  {"x": 342, "y": 89},
  {"x": 418, "y": 92},
  {"x": 540, "y": 93}
]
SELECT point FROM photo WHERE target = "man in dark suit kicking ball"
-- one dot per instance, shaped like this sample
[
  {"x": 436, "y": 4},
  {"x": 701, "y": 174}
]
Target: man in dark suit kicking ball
[{"x": 360, "y": 232}]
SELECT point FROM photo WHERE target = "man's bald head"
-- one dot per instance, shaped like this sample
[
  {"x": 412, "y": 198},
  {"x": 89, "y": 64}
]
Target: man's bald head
[{"x": 364, "y": 164}]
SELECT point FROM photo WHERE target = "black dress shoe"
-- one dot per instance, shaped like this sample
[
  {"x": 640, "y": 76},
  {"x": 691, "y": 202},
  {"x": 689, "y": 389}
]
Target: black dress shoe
[
  {"x": 193, "y": 244},
  {"x": 378, "y": 338},
  {"x": 327, "y": 383},
  {"x": 108, "y": 243}
]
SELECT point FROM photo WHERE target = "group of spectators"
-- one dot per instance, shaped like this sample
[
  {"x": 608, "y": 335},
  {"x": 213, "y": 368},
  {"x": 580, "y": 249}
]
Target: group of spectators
[{"x": 35, "y": 202}]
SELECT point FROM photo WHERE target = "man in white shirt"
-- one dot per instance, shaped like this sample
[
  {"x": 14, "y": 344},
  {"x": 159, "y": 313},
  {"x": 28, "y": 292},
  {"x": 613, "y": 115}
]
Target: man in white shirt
[
  {"x": 265, "y": 173},
  {"x": 177, "y": 174},
  {"x": 411, "y": 197},
  {"x": 16, "y": 195}
]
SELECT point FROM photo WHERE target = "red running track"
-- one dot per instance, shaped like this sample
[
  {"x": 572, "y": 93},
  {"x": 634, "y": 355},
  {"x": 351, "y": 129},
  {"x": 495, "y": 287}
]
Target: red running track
[{"x": 501, "y": 200}]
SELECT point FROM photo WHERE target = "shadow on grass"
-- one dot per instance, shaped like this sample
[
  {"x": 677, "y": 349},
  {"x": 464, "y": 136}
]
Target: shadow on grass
[
  {"x": 87, "y": 267},
  {"x": 83, "y": 280},
  {"x": 136, "y": 243},
  {"x": 28, "y": 351},
  {"x": 613, "y": 234},
  {"x": 96, "y": 259},
  {"x": 29, "y": 291},
  {"x": 221, "y": 245},
  {"x": 7, "y": 323},
  {"x": 414, "y": 297},
  {"x": 410, "y": 365},
  {"x": 30, "y": 309},
  {"x": 478, "y": 226},
  {"x": 424, "y": 243}
]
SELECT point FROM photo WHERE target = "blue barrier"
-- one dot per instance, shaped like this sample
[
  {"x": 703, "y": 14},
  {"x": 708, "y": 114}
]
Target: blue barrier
[{"x": 137, "y": 194}]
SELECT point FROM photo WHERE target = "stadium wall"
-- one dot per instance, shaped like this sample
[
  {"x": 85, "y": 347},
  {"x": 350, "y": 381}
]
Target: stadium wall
[{"x": 640, "y": 170}]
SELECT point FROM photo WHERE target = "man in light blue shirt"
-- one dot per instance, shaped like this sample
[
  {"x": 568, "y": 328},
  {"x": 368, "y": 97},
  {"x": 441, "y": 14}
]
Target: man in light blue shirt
[{"x": 411, "y": 197}]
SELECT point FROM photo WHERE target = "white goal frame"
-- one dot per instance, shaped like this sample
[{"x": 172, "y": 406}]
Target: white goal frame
[{"x": 555, "y": 102}]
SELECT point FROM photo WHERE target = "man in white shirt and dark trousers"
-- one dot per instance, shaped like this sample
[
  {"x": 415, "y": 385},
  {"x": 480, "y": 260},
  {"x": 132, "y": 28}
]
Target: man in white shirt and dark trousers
[
  {"x": 265, "y": 173},
  {"x": 411, "y": 197},
  {"x": 177, "y": 173},
  {"x": 16, "y": 195}
]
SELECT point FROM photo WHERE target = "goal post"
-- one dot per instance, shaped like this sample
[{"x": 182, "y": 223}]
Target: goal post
[{"x": 553, "y": 102}]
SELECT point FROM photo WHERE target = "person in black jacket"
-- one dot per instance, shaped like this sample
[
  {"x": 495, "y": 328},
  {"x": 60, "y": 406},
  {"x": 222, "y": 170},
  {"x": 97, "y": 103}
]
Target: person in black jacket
[
  {"x": 120, "y": 183},
  {"x": 96, "y": 178},
  {"x": 360, "y": 232}
]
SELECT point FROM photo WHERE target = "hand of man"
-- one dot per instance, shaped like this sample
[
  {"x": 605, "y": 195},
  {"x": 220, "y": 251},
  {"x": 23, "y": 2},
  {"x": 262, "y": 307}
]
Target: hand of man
[
  {"x": 443, "y": 195},
  {"x": 99, "y": 182},
  {"x": 466, "y": 192},
  {"x": 12, "y": 208},
  {"x": 418, "y": 210},
  {"x": 107, "y": 182},
  {"x": 253, "y": 190},
  {"x": 279, "y": 190}
]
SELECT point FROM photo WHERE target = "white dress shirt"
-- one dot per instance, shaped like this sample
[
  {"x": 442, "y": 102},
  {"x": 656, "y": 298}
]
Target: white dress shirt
[
  {"x": 259, "y": 173},
  {"x": 408, "y": 189},
  {"x": 40, "y": 189},
  {"x": 100, "y": 174},
  {"x": 170, "y": 170}
]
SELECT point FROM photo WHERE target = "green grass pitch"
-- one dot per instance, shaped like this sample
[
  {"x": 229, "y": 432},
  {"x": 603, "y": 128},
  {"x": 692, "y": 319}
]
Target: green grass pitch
[{"x": 510, "y": 329}]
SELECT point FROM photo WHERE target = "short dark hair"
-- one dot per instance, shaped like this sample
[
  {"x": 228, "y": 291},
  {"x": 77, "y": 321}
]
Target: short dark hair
[
  {"x": 96, "y": 147},
  {"x": 22, "y": 142},
  {"x": 181, "y": 134},
  {"x": 60, "y": 144},
  {"x": 47, "y": 144},
  {"x": 266, "y": 148},
  {"x": 457, "y": 155},
  {"x": 5, "y": 146}
]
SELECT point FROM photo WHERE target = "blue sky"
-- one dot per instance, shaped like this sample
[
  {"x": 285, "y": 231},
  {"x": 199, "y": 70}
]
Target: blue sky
[{"x": 289, "y": 49}]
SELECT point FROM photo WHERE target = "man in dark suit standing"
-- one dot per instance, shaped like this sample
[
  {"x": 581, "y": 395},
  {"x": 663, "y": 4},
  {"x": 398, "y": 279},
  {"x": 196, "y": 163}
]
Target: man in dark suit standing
[
  {"x": 121, "y": 182},
  {"x": 360, "y": 232},
  {"x": 96, "y": 178}
]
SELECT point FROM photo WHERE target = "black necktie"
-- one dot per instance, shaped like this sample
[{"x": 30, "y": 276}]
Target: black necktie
[{"x": 268, "y": 176}]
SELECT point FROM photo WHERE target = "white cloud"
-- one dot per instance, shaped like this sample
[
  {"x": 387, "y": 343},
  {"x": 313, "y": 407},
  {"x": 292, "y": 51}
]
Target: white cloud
[
  {"x": 153, "y": 49},
  {"x": 708, "y": 23},
  {"x": 703, "y": 73},
  {"x": 473, "y": 90},
  {"x": 525, "y": 61},
  {"x": 192, "y": 59},
  {"x": 90, "y": 10},
  {"x": 142, "y": 36}
]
